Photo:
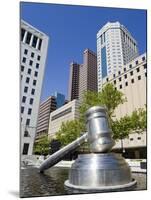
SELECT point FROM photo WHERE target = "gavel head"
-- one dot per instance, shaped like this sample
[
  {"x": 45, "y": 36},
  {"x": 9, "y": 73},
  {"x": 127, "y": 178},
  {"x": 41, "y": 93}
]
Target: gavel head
[{"x": 99, "y": 132}]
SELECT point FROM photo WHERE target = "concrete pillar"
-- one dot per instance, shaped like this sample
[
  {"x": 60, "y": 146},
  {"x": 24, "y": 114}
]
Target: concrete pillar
[
  {"x": 25, "y": 36},
  {"x": 37, "y": 43},
  {"x": 31, "y": 40}
]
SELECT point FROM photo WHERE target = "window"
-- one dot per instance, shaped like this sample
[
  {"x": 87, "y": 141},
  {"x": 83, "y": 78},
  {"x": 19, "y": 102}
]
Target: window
[
  {"x": 22, "y": 34},
  {"x": 28, "y": 38},
  {"x": 143, "y": 58},
  {"x": 132, "y": 80},
  {"x": 107, "y": 79},
  {"x": 36, "y": 74},
  {"x": 38, "y": 57},
  {"x": 26, "y": 134},
  {"x": 34, "y": 41},
  {"x": 145, "y": 74},
  {"x": 29, "y": 71},
  {"x": 37, "y": 65},
  {"x": 30, "y": 62},
  {"x": 32, "y": 54},
  {"x": 130, "y": 66},
  {"x": 131, "y": 139},
  {"x": 126, "y": 83},
  {"x": 27, "y": 80},
  {"x": 25, "y": 148},
  {"x": 40, "y": 43},
  {"x": 114, "y": 81},
  {"x": 29, "y": 111},
  {"x": 21, "y": 77},
  {"x": 119, "y": 72},
  {"x": 22, "y": 109},
  {"x": 120, "y": 79},
  {"x": 31, "y": 101},
  {"x": 115, "y": 88},
  {"x": 136, "y": 62},
  {"x": 61, "y": 114},
  {"x": 25, "y": 89},
  {"x": 120, "y": 86},
  {"x": 113, "y": 75},
  {"x": 145, "y": 66},
  {"x": 124, "y": 69},
  {"x": 125, "y": 76},
  {"x": 24, "y": 60},
  {"x": 139, "y": 77},
  {"x": 34, "y": 82},
  {"x": 131, "y": 73},
  {"x": 33, "y": 91},
  {"x": 139, "y": 138},
  {"x": 137, "y": 69},
  {"x": 22, "y": 68},
  {"x": 25, "y": 51},
  {"x": 24, "y": 99}
]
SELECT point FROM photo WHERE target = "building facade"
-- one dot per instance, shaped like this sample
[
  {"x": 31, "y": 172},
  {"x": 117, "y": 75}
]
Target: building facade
[
  {"x": 73, "y": 87},
  {"x": 132, "y": 82},
  {"x": 49, "y": 105},
  {"x": 34, "y": 44},
  {"x": 88, "y": 73},
  {"x": 46, "y": 108},
  {"x": 65, "y": 113},
  {"x": 115, "y": 48}
]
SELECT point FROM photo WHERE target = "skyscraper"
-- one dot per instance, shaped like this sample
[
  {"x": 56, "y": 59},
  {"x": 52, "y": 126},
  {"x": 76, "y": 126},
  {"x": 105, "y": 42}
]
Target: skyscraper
[
  {"x": 34, "y": 44},
  {"x": 73, "y": 87},
  {"x": 46, "y": 107},
  {"x": 115, "y": 48},
  {"x": 88, "y": 73}
]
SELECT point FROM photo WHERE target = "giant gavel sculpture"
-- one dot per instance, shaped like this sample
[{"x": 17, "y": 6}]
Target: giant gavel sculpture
[{"x": 100, "y": 169}]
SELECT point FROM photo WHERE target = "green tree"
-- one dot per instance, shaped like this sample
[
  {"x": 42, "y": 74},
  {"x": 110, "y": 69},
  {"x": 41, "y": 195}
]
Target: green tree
[
  {"x": 108, "y": 97},
  {"x": 136, "y": 122},
  {"x": 41, "y": 146},
  {"x": 69, "y": 131}
]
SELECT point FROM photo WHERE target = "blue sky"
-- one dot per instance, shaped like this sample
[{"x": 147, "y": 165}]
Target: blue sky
[{"x": 72, "y": 29}]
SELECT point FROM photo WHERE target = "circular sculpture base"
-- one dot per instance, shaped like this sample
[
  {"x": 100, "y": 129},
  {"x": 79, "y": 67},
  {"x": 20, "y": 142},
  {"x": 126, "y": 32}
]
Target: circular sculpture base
[{"x": 100, "y": 172}]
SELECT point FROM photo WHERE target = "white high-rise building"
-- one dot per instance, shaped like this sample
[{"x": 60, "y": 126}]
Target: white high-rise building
[
  {"x": 115, "y": 48},
  {"x": 34, "y": 46}
]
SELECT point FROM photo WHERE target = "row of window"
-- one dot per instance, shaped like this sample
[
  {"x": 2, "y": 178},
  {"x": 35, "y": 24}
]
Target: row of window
[
  {"x": 131, "y": 73},
  {"x": 31, "y": 100},
  {"x": 68, "y": 110},
  {"x": 30, "y": 62},
  {"x": 128, "y": 39},
  {"x": 26, "y": 90},
  {"x": 28, "y": 80},
  {"x": 32, "y": 54},
  {"x": 29, "y": 37},
  {"x": 29, "y": 110},
  {"x": 132, "y": 81},
  {"x": 138, "y": 138},
  {"x": 29, "y": 71}
]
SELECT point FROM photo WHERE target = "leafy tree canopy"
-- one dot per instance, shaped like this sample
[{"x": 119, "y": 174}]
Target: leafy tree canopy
[{"x": 41, "y": 147}]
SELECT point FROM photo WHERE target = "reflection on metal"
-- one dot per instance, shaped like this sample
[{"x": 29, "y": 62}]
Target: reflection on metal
[
  {"x": 99, "y": 133},
  {"x": 100, "y": 170},
  {"x": 58, "y": 156}
]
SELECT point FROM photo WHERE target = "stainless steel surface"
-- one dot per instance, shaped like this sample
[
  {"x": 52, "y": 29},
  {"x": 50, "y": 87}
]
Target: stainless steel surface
[
  {"x": 56, "y": 157},
  {"x": 96, "y": 170},
  {"x": 99, "y": 132}
]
